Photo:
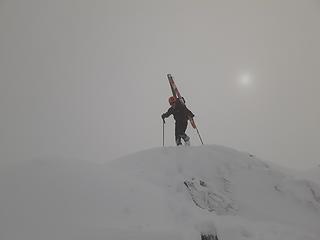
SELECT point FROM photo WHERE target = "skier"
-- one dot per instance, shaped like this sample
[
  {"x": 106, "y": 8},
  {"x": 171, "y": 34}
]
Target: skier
[{"x": 181, "y": 114}]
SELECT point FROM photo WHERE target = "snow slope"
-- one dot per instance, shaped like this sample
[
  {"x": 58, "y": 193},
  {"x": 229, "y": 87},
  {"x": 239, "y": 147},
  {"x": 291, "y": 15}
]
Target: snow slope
[
  {"x": 313, "y": 174},
  {"x": 144, "y": 196}
]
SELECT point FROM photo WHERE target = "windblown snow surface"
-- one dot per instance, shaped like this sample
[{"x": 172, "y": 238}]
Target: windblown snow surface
[{"x": 144, "y": 197}]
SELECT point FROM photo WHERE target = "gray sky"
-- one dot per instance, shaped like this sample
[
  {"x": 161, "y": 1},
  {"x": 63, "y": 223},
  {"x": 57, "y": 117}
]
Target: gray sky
[{"x": 87, "y": 79}]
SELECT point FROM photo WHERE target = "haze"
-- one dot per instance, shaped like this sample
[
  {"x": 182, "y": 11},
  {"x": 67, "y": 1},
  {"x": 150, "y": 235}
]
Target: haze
[{"x": 87, "y": 79}]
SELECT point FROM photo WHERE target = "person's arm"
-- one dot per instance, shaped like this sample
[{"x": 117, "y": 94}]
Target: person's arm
[
  {"x": 189, "y": 113},
  {"x": 167, "y": 114}
]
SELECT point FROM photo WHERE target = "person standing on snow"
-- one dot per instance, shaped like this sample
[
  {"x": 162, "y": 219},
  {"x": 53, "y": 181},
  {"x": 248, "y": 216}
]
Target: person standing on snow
[{"x": 181, "y": 115}]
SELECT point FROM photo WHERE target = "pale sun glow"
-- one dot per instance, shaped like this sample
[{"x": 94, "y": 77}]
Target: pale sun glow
[{"x": 245, "y": 79}]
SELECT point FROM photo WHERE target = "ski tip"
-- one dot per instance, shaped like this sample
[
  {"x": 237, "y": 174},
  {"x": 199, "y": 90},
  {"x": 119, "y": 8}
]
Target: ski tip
[{"x": 169, "y": 76}]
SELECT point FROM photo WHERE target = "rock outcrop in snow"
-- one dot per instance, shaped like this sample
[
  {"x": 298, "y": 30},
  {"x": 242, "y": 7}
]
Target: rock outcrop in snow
[{"x": 209, "y": 197}]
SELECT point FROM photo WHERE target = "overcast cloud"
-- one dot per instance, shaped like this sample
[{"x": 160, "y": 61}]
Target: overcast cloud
[{"x": 87, "y": 79}]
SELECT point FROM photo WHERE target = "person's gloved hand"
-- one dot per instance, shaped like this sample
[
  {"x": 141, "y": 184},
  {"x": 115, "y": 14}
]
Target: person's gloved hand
[{"x": 163, "y": 118}]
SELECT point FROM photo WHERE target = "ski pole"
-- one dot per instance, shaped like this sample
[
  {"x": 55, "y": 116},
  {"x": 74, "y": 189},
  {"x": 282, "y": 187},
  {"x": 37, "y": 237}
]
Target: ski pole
[
  {"x": 199, "y": 135},
  {"x": 163, "y": 134},
  {"x": 195, "y": 127}
]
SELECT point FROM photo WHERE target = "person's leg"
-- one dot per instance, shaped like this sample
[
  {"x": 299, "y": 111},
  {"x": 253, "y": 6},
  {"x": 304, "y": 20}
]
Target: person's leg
[
  {"x": 178, "y": 134},
  {"x": 178, "y": 140},
  {"x": 183, "y": 135},
  {"x": 186, "y": 138}
]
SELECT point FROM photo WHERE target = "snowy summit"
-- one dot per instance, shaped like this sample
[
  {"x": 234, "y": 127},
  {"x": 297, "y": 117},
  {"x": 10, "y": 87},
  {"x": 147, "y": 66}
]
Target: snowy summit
[{"x": 176, "y": 193}]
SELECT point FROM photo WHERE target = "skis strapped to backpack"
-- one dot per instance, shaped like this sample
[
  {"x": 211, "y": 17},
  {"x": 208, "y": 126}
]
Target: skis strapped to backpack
[{"x": 176, "y": 93}]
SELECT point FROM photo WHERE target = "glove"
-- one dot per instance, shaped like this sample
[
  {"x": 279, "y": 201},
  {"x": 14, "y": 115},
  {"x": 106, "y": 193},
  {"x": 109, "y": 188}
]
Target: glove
[{"x": 163, "y": 118}]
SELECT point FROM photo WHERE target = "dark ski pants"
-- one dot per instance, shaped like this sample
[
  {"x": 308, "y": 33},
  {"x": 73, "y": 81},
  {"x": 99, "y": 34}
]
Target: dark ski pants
[{"x": 180, "y": 129}]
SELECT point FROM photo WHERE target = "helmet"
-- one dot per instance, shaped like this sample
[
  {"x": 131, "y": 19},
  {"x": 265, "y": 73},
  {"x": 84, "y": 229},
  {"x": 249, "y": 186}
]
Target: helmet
[{"x": 172, "y": 100}]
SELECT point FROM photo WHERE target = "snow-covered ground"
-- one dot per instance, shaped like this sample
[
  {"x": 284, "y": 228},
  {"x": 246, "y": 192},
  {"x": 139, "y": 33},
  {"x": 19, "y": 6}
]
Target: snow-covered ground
[{"x": 144, "y": 196}]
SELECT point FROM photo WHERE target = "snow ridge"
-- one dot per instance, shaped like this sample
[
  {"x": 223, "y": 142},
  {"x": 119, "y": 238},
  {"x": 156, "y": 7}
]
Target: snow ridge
[{"x": 145, "y": 196}]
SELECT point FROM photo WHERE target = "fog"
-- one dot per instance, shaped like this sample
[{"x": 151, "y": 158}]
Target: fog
[{"x": 87, "y": 79}]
